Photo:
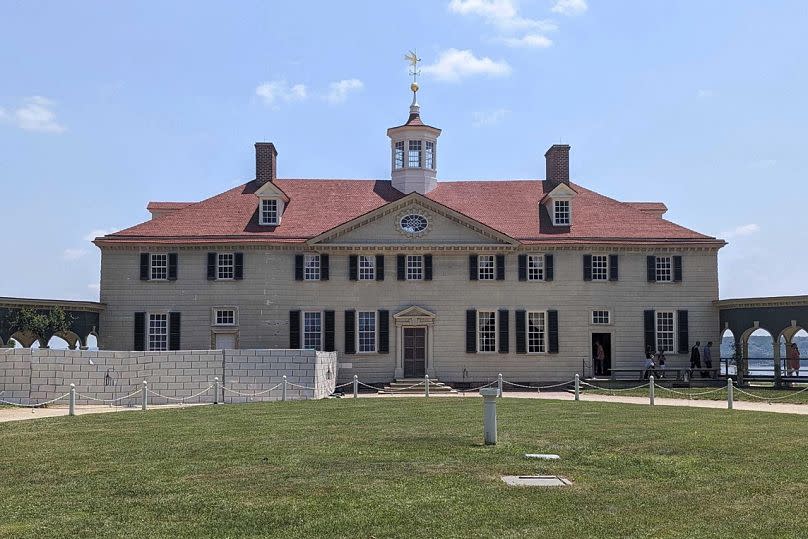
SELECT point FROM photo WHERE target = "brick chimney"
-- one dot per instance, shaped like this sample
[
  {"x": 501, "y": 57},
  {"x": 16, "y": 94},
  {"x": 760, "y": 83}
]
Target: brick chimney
[
  {"x": 266, "y": 162},
  {"x": 557, "y": 162}
]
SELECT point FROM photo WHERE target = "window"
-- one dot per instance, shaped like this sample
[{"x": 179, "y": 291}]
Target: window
[
  {"x": 415, "y": 267},
  {"x": 225, "y": 266},
  {"x": 413, "y": 223},
  {"x": 414, "y": 160},
  {"x": 225, "y": 317},
  {"x": 600, "y": 268},
  {"x": 600, "y": 317},
  {"x": 429, "y": 158},
  {"x": 664, "y": 272},
  {"x": 398, "y": 155},
  {"x": 487, "y": 331},
  {"x": 535, "y": 267},
  {"x": 367, "y": 268},
  {"x": 312, "y": 330},
  {"x": 158, "y": 332},
  {"x": 536, "y": 332},
  {"x": 486, "y": 267},
  {"x": 159, "y": 267},
  {"x": 366, "y": 332},
  {"x": 561, "y": 212},
  {"x": 311, "y": 267},
  {"x": 665, "y": 331},
  {"x": 269, "y": 212}
]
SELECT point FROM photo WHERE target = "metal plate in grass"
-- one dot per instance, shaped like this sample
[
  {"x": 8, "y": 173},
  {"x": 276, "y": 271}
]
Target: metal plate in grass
[
  {"x": 536, "y": 481},
  {"x": 542, "y": 456}
]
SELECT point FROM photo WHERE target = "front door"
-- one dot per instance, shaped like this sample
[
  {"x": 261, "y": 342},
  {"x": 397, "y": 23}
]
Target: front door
[
  {"x": 414, "y": 352},
  {"x": 603, "y": 368}
]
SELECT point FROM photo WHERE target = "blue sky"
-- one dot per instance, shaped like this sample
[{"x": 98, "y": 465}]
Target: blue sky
[{"x": 105, "y": 106}]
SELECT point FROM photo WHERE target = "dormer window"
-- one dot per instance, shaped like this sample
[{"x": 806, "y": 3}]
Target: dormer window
[
  {"x": 398, "y": 155},
  {"x": 270, "y": 212},
  {"x": 414, "y": 160},
  {"x": 561, "y": 213}
]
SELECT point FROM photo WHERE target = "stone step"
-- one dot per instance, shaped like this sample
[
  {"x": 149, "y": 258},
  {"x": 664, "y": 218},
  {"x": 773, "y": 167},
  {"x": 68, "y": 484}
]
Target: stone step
[{"x": 404, "y": 387}]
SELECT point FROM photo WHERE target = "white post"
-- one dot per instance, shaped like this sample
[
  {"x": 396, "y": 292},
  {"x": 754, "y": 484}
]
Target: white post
[
  {"x": 577, "y": 387},
  {"x": 730, "y": 395},
  {"x": 651, "y": 389},
  {"x": 145, "y": 395},
  {"x": 215, "y": 390},
  {"x": 489, "y": 395},
  {"x": 355, "y": 386},
  {"x": 283, "y": 394},
  {"x": 426, "y": 385},
  {"x": 71, "y": 410},
  {"x": 499, "y": 384}
]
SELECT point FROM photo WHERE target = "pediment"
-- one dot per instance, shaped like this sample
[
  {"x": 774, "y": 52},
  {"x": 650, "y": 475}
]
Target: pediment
[
  {"x": 270, "y": 190},
  {"x": 414, "y": 311}
]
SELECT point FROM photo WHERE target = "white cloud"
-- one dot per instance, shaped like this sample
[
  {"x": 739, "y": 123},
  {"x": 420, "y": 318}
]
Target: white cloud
[
  {"x": 502, "y": 13},
  {"x": 91, "y": 235},
  {"x": 490, "y": 117},
  {"x": 454, "y": 65},
  {"x": 35, "y": 114},
  {"x": 276, "y": 91},
  {"x": 742, "y": 230},
  {"x": 528, "y": 41},
  {"x": 570, "y": 7},
  {"x": 338, "y": 91},
  {"x": 73, "y": 254}
]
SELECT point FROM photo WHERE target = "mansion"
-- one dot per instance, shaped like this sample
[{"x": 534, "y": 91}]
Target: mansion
[{"x": 409, "y": 275}]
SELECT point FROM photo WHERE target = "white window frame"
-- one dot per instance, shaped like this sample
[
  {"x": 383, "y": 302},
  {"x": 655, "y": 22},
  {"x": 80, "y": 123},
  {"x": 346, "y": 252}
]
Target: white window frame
[
  {"x": 415, "y": 148},
  {"x": 602, "y": 268},
  {"x": 490, "y": 273},
  {"x": 597, "y": 317},
  {"x": 164, "y": 266},
  {"x": 429, "y": 154},
  {"x": 358, "y": 348},
  {"x": 544, "y": 337},
  {"x": 230, "y": 268},
  {"x": 366, "y": 268},
  {"x": 660, "y": 269},
  {"x": 493, "y": 342},
  {"x": 305, "y": 333},
  {"x": 164, "y": 335},
  {"x": 312, "y": 267},
  {"x": 536, "y": 273},
  {"x": 415, "y": 272},
  {"x": 398, "y": 155},
  {"x": 265, "y": 215},
  {"x": 566, "y": 213},
  {"x": 672, "y": 331},
  {"x": 215, "y": 316}
]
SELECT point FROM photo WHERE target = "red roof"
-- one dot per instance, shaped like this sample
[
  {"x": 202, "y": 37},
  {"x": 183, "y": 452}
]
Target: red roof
[{"x": 316, "y": 206}]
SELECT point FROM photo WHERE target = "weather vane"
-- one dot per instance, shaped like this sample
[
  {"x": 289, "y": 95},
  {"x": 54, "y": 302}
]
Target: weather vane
[{"x": 412, "y": 59}]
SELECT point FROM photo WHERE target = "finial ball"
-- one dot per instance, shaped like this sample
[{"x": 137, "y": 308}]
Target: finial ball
[{"x": 414, "y": 86}]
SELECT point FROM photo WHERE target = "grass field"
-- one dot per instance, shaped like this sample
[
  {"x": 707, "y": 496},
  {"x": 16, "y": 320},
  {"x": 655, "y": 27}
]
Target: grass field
[{"x": 405, "y": 468}]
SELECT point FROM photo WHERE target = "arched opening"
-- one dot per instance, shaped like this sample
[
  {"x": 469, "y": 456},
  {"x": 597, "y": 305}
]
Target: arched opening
[
  {"x": 760, "y": 353},
  {"x": 58, "y": 343},
  {"x": 25, "y": 339},
  {"x": 92, "y": 342},
  {"x": 728, "y": 353},
  {"x": 793, "y": 359}
]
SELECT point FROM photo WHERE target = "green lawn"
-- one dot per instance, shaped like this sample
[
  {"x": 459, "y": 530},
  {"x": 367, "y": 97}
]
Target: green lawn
[{"x": 405, "y": 468}]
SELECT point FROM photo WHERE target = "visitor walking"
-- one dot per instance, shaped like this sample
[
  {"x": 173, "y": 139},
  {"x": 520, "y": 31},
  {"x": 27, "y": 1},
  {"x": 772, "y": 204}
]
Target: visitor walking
[
  {"x": 695, "y": 358},
  {"x": 649, "y": 364},
  {"x": 600, "y": 359},
  {"x": 660, "y": 363},
  {"x": 707, "y": 356},
  {"x": 793, "y": 360}
]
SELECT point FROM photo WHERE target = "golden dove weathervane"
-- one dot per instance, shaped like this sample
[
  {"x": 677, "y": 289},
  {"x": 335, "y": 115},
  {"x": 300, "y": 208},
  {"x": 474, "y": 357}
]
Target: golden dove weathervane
[{"x": 412, "y": 59}]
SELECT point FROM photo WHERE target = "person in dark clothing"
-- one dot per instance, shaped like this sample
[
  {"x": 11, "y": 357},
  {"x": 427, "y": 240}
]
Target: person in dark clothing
[
  {"x": 707, "y": 356},
  {"x": 695, "y": 357}
]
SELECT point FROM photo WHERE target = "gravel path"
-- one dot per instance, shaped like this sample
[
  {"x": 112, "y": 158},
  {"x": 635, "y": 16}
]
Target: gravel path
[{"x": 21, "y": 414}]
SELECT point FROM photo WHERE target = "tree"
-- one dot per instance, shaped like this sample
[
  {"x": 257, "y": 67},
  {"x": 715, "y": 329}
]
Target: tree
[
  {"x": 42, "y": 323},
  {"x": 11, "y": 343}
]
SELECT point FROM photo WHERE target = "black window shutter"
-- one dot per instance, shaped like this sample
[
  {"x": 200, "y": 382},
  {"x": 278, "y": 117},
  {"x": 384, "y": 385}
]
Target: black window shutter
[
  {"x": 328, "y": 326},
  {"x": 172, "y": 266},
  {"x": 523, "y": 267},
  {"x": 500, "y": 267},
  {"x": 384, "y": 331},
  {"x": 684, "y": 334},
  {"x": 552, "y": 331},
  {"x": 504, "y": 331},
  {"x": 548, "y": 267},
  {"x": 140, "y": 332},
  {"x": 401, "y": 267},
  {"x": 380, "y": 267},
  {"x": 238, "y": 267},
  {"x": 353, "y": 268},
  {"x": 173, "y": 331},
  {"x": 350, "y": 332},
  {"x": 613, "y": 270},
  {"x": 650, "y": 331},
  {"x": 211, "y": 266},
  {"x": 471, "y": 331},
  {"x": 298, "y": 271},
  {"x": 677, "y": 269},
  {"x": 324, "y": 269},
  {"x": 144, "y": 266},
  {"x": 473, "y": 268},
  {"x": 427, "y": 267},
  {"x": 587, "y": 267},
  {"x": 650, "y": 269},
  {"x": 294, "y": 330},
  {"x": 521, "y": 332}
]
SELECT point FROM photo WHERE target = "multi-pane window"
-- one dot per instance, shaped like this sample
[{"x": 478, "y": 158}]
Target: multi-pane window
[
  {"x": 486, "y": 267},
  {"x": 311, "y": 267},
  {"x": 366, "y": 334},
  {"x": 535, "y": 267},
  {"x": 269, "y": 211},
  {"x": 415, "y": 267},
  {"x": 414, "y": 158},
  {"x": 158, "y": 332},
  {"x": 312, "y": 330},
  {"x": 561, "y": 212},
  {"x": 225, "y": 317},
  {"x": 600, "y": 268},
  {"x": 429, "y": 155},
  {"x": 664, "y": 273},
  {"x": 600, "y": 317},
  {"x": 224, "y": 266},
  {"x": 159, "y": 267},
  {"x": 398, "y": 155},
  {"x": 487, "y": 331},
  {"x": 665, "y": 331},
  {"x": 535, "y": 332},
  {"x": 367, "y": 268}
]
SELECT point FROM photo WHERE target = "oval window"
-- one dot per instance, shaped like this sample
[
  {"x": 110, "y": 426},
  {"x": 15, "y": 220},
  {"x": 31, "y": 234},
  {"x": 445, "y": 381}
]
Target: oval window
[{"x": 413, "y": 223}]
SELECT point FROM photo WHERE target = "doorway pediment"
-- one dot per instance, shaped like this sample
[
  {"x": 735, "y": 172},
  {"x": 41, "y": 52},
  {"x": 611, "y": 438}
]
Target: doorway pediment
[{"x": 414, "y": 315}]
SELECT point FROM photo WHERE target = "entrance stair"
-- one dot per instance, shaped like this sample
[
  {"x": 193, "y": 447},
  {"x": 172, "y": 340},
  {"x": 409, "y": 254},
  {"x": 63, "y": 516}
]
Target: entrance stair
[{"x": 403, "y": 386}]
